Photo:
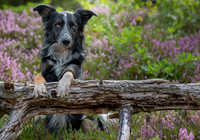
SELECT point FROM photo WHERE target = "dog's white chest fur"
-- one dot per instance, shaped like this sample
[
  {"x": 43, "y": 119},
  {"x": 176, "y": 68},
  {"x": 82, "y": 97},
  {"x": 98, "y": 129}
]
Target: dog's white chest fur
[{"x": 59, "y": 120}]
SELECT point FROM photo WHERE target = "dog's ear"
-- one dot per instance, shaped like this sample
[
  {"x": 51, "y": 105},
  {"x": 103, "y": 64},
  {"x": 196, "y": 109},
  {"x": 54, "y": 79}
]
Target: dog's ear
[
  {"x": 85, "y": 15},
  {"x": 45, "y": 11}
]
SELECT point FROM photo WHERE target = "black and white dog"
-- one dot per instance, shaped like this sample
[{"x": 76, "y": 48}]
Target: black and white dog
[{"x": 62, "y": 55}]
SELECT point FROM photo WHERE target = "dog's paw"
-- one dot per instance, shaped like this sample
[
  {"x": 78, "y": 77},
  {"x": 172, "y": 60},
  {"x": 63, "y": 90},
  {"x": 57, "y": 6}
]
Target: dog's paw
[
  {"x": 39, "y": 90},
  {"x": 64, "y": 85}
]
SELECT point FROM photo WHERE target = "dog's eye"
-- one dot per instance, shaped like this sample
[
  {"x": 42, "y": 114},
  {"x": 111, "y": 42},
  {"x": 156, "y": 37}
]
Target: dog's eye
[
  {"x": 57, "y": 25},
  {"x": 73, "y": 26}
]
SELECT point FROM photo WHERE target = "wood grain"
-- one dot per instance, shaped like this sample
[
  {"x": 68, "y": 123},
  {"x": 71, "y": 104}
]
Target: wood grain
[{"x": 91, "y": 96}]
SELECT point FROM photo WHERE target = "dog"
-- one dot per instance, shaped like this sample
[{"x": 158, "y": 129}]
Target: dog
[{"x": 62, "y": 56}]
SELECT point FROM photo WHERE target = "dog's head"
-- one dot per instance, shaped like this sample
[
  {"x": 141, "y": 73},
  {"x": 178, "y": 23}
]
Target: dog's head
[{"x": 63, "y": 27}]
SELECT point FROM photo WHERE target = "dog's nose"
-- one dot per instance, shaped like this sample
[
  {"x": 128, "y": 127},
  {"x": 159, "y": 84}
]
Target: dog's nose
[{"x": 65, "y": 42}]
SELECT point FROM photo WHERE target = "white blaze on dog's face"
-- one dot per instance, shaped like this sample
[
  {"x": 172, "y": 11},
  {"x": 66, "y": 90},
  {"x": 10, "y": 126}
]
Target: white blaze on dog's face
[{"x": 64, "y": 28}]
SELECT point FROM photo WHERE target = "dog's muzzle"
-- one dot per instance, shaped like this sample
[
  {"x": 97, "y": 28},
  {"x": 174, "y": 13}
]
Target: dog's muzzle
[{"x": 66, "y": 39}]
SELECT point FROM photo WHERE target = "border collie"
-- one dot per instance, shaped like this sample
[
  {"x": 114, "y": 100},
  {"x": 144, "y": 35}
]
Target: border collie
[{"x": 62, "y": 55}]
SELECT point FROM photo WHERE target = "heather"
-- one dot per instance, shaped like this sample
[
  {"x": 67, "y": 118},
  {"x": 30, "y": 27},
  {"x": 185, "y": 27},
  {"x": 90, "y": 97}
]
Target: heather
[
  {"x": 130, "y": 40},
  {"x": 20, "y": 41},
  {"x": 135, "y": 49},
  {"x": 165, "y": 125}
]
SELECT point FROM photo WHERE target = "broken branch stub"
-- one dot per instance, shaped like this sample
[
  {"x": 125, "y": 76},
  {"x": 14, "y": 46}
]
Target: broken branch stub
[{"x": 125, "y": 120}]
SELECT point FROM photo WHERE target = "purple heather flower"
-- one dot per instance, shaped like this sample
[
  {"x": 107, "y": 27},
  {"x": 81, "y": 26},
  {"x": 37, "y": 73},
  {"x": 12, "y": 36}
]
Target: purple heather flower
[
  {"x": 183, "y": 134},
  {"x": 101, "y": 10},
  {"x": 133, "y": 22}
]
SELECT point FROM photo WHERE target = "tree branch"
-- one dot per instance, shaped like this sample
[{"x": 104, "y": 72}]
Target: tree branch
[
  {"x": 94, "y": 96},
  {"x": 125, "y": 121}
]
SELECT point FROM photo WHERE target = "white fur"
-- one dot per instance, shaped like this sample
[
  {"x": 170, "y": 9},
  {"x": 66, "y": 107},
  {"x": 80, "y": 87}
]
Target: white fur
[
  {"x": 105, "y": 121},
  {"x": 59, "y": 121},
  {"x": 39, "y": 90},
  {"x": 64, "y": 85}
]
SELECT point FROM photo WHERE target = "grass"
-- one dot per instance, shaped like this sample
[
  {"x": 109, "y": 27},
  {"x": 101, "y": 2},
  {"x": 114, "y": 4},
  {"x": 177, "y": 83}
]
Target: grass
[{"x": 169, "y": 125}]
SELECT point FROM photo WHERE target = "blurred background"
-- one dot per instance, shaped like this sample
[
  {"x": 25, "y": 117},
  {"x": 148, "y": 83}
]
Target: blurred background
[
  {"x": 68, "y": 4},
  {"x": 131, "y": 39}
]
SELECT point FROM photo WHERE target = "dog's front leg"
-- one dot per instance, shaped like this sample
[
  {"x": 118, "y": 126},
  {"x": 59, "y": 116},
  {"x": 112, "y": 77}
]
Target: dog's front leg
[
  {"x": 64, "y": 84},
  {"x": 39, "y": 87}
]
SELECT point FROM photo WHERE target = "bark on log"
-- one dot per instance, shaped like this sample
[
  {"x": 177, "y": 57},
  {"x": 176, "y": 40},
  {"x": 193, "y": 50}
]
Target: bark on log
[
  {"x": 94, "y": 96},
  {"x": 125, "y": 120}
]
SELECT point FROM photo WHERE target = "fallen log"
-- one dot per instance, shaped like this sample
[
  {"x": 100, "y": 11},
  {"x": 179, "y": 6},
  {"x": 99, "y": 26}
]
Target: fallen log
[{"x": 94, "y": 96}]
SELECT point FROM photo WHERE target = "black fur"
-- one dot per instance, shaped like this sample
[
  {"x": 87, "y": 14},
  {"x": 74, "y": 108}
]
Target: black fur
[{"x": 62, "y": 51}]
